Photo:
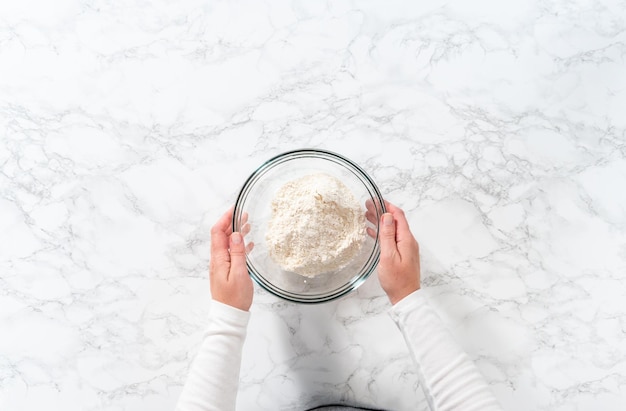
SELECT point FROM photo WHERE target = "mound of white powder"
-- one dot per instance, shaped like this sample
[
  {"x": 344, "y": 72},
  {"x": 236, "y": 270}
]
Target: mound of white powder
[{"x": 317, "y": 225}]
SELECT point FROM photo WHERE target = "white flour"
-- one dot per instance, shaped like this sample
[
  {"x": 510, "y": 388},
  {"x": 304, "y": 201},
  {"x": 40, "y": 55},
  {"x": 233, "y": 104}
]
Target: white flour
[{"x": 317, "y": 225}]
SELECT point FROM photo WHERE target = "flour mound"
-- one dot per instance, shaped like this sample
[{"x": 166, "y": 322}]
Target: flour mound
[{"x": 317, "y": 225}]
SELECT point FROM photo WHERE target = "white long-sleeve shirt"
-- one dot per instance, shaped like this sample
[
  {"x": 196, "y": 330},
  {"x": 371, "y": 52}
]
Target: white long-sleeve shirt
[{"x": 448, "y": 376}]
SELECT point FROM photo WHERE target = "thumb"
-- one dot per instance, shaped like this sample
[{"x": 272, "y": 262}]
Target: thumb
[
  {"x": 387, "y": 235},
  {"x": 237, "y": 254}
]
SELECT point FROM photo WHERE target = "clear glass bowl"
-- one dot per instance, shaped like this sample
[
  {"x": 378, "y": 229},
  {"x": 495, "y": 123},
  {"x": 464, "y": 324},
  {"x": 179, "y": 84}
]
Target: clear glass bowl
[{"x": 255, "y": 199}]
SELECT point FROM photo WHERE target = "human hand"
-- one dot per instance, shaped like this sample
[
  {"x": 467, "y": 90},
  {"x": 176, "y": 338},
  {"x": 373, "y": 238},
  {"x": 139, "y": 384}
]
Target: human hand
[
  {"x": 228, "y": 273},
  {"x": 399, "y": 266}
]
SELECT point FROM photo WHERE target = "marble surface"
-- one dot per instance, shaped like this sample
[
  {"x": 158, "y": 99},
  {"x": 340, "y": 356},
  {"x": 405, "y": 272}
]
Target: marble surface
[{"x": 127, "y": 128}]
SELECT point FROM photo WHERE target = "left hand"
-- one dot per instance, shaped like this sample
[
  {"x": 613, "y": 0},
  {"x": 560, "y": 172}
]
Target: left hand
[{"x": 228, "y": 273}]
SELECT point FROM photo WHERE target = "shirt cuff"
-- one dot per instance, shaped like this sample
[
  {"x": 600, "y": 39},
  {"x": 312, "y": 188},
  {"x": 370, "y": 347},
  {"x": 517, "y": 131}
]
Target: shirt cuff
[
  {"x": 407, "y": 304},
  {"x": 229, "y": 314}
]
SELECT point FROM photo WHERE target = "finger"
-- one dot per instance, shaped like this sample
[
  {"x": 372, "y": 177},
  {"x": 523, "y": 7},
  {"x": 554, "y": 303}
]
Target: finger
[
  {"x": 224, "y": 221},
  {"x": 249, "y": 247},
  {"x": 242, "y": 222},
  {"x": 237, "y": 256},
  {"x": 373, "y": 213},
  {"x": 219, "y": 239},
  {"x": 371, "y": 232},
  {"x": 373, "y": 208},
  {"x": 391, "y": 207},
  {"x": 371, "y": 217},
  {"x": 229, "y": 229},
  {"x": 403, "y": 230},
  {"x": 245, "y": 230},
  {"x": 387, "y": 236},
  {"x": 405, "y": 241}
]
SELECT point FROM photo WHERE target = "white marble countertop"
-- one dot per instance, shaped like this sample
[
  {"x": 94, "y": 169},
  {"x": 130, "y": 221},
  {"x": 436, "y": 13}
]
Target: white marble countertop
[{"x": 127, "y": 128}]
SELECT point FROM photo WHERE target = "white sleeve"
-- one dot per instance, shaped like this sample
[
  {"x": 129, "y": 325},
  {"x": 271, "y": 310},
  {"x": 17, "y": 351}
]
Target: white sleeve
[
  {"x": 214, "y": 375},
  {"x": 448, "y": 376}
]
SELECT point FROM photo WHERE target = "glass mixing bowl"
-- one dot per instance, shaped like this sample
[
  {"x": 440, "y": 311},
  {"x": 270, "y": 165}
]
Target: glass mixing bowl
[{"x": 254, "y": 201}]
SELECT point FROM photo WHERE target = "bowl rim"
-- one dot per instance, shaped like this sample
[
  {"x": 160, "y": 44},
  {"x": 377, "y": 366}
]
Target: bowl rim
[{"x": 265, "y": 166}]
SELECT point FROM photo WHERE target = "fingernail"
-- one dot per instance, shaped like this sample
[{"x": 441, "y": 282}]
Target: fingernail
[
  {"x": 387, "y": 219},
  {"x": 236, "y": 237}
]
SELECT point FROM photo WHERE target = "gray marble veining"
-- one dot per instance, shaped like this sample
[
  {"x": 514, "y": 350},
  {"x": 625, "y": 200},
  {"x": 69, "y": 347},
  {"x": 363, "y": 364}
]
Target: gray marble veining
[{"x": 127, "y": 128}]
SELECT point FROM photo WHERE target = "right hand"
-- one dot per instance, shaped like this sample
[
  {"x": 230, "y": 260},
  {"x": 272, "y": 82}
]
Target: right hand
[{"x": 399, "y": 266}]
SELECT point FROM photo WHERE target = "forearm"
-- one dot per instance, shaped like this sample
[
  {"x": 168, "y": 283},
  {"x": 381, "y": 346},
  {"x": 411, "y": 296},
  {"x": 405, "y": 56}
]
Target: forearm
[
  {"x": 214, "y": 375},
  {"x": 449, "y": 378}
]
